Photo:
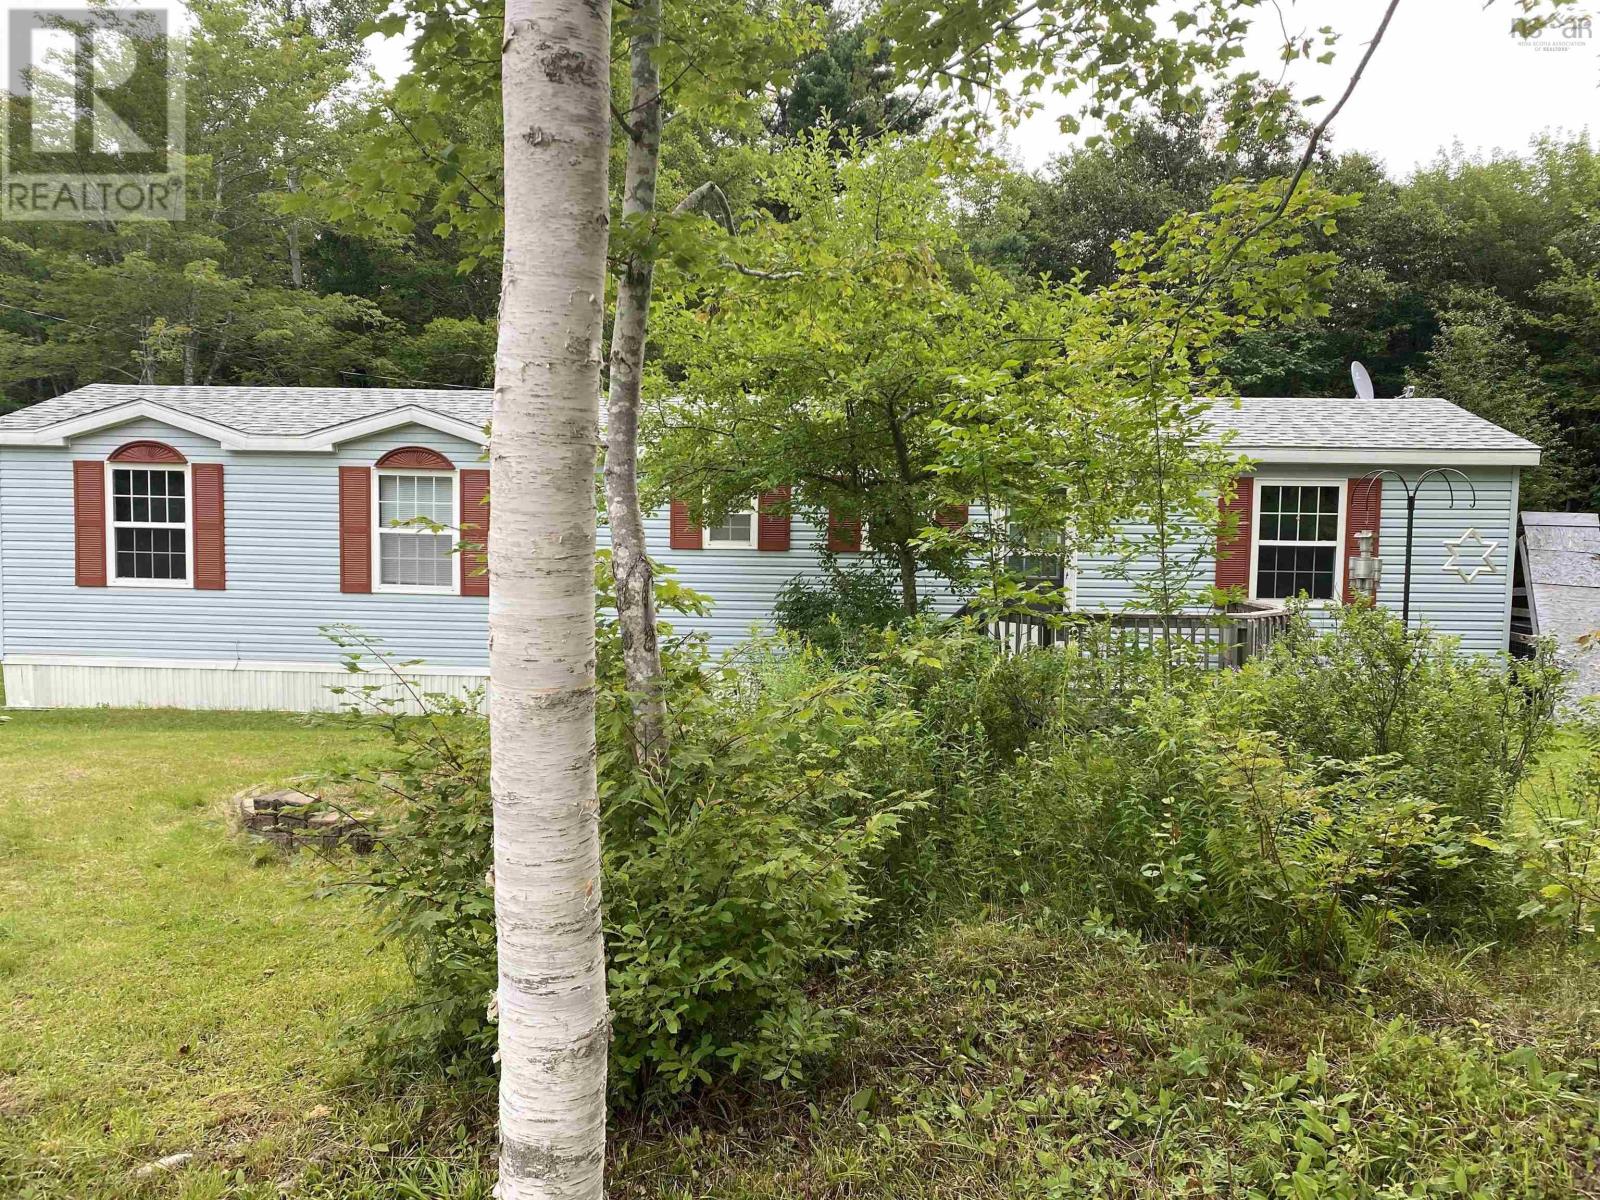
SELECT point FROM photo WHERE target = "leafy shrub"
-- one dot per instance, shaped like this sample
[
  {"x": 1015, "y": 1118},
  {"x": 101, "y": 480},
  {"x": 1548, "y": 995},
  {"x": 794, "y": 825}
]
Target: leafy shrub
[
  {"x": 1462, "y": 729},
  {"x": 730, "y": 877},
  {"x": 735, "y": 875},
  {"x": 429, "y": 876},
  {"x": 1173, "y": 826},
  {"x": 1463, "y": 725},
  {"x": 1017, "y": 700},
  {"x": 832, "y": 611},
  {"x": 964, "y": 713},
  {"x": 1293, "y": 810},
  {"x": 817, "y": 803},
  {"x": 1311, "y": 865}
]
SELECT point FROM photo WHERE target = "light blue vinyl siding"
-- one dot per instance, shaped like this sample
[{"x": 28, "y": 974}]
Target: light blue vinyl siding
[
  {"x": 283, "y": 565},
  {"x": 1478, "y": 612},
  {"x": 282, "y": 537},
  {"x": 1096, "y": 588},
  {"x": 745, "y": 583}
]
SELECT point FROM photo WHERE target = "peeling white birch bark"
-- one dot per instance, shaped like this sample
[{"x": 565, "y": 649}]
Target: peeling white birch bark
[{"x": 553, "y": 1026}]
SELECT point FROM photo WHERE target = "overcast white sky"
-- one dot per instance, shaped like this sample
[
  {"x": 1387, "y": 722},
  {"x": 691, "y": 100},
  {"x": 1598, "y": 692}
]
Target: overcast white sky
[{"x": 1447, "y": 71}]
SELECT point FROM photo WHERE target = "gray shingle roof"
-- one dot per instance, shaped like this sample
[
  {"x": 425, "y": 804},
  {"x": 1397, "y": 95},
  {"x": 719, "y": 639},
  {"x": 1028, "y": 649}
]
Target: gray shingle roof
[
  {"x": 271, "y": 411},
  {"x": 1273, "y": 423},
  {"x": 1261, "y": 424}
]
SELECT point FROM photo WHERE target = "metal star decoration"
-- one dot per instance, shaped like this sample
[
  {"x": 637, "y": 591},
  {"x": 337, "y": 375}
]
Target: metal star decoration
[{"x": 1478, "y": 554}]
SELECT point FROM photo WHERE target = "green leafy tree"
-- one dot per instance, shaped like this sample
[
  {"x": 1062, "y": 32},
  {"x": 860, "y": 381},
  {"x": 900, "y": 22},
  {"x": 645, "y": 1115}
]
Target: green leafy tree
[
  {"x": 1479, "y": 362},
  {"x": 848, "y": 85},
  {"x": 225, "y": 295},
  {"x": 448, "y": 352},
  {"x": 434, "y": 154},
  {"x": 1071, "y": 215},
  {"x": 872, "y": 367},
  {"x": 434, "y": 149},
  {"x": 1565, "y": 333},
  {"x": 1432, "y": 269}
]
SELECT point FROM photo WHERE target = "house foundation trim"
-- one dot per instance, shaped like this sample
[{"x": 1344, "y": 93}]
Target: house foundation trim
[{"x": 76, "y": 681}]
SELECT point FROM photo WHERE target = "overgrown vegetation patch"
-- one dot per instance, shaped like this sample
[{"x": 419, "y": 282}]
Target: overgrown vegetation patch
[
  {"x": 1344, "y": 795},
  {"x": 1029, "y": 1059}
]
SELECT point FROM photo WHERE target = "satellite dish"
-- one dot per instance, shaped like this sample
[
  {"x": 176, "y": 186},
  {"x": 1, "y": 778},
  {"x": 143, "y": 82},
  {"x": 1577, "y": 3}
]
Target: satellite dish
[{"x": 1363, "y": 381}]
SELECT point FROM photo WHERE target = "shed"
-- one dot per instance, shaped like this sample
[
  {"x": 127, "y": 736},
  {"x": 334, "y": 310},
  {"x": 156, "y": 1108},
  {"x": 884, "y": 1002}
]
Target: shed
[{"x": 1558, "y": 590}]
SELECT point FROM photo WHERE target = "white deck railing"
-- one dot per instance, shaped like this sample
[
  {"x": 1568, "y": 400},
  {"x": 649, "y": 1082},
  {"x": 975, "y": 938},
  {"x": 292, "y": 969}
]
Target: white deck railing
[{"x": 1213, "y": 638}]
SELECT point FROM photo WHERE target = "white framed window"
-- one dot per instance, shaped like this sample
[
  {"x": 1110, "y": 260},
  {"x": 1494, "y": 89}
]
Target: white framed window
[
  {"x": 1299, "y": 539},
  {"x": 414, "y": 545},
  {"x": 1035, "y": 554},
  {"x": 1039, "y": 556},
  {"x": 736, "y": 531},
  {"x": 150, "y": 520}
]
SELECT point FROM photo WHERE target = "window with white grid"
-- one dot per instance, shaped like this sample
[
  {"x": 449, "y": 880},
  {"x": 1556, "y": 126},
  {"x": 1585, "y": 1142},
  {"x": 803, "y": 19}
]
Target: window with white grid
[
  {"x": 1034, "y": 554},
  {"x": 150, "y": 525},
  {"x": 416, "y": 531},
  {"x": 1297, "y": 541},
  {"x": 736, "y": 531}
]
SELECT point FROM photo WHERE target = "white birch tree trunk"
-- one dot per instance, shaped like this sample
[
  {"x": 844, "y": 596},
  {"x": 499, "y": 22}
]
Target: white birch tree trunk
[
  {"x": 554, "y": 1028},
  {"x": 630, "y": 558}
]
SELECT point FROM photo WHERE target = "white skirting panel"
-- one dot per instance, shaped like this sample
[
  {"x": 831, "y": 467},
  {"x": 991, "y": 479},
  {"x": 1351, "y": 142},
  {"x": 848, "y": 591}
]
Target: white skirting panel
[{"x": 52, "y": 681}]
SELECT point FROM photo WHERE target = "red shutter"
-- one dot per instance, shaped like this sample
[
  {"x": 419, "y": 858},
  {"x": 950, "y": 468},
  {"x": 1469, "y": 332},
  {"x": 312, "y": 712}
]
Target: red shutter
[
  {"x": 1233, "y": 553},
  {"x": 772, "y": 526},
  {"x": 844, "y": 534},
  {"x": 475, "y": 533},
  {"x": 1363, "y": 513},
  {"x": 953, "y": 516},
  {"x": 682, "y": 532},
  {"x": 355, "y": 529},
  {"x": 89, "y": 522},
  {"x": 210, "y": 543}
]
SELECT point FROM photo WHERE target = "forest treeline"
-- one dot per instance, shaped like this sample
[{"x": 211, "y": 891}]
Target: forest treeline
[{"x": 1475, "y": 278}]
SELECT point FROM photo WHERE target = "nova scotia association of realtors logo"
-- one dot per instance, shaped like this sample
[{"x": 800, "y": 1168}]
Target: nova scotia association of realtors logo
[
  {"x": 1566, "y": 33},
  {"x": 94, "y": 122}
]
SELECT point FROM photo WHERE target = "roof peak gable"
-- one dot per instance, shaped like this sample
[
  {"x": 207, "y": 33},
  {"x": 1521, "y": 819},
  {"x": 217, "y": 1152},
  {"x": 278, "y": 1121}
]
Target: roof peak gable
[{"x": 245, "y": 418}]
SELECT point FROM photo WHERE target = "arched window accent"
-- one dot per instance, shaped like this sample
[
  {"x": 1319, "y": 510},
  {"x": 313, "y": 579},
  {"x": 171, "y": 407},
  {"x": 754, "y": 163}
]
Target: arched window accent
[
  {"x": 416, "y": 458},
  {"x": 146, "y": 452}
]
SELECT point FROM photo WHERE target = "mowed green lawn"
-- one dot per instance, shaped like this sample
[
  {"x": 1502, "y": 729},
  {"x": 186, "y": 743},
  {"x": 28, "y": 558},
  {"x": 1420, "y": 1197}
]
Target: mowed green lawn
[{"x": 165, "y": 985}]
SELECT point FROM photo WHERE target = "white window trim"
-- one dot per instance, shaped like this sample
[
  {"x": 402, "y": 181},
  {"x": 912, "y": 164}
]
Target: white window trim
[
  {"x": 112, "y": 578},
  {"x": 755, "y": 532},
  {"x": 1259, "y": 481},
  {"x": 379, "y": 529},
  {"x": 1069, "y": 565},
  {"x": 1069, "y": 568}
]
